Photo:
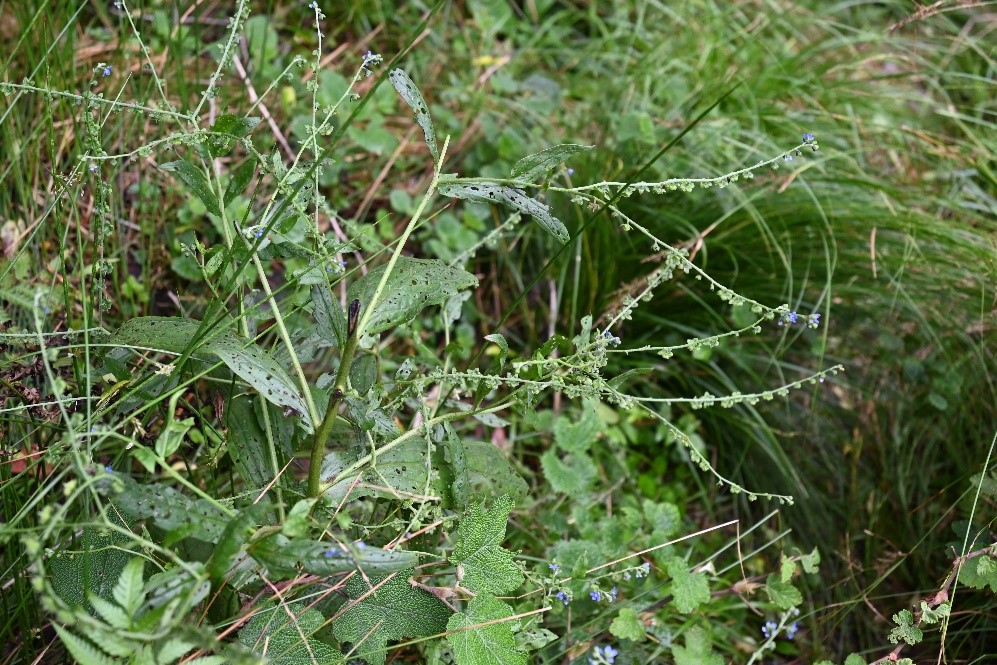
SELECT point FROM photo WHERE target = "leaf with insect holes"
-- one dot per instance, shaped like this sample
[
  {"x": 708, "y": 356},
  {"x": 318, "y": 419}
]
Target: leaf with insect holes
[
  {"x": 536, "y": 166},
  {"x": 689, "y": 589},
  {"x": 196, "y": 183},
  {"x": 246, "y": 360},
  {"x": 698, "y": 649},
  {"x": 390, "y": 611},
  {"x": 248, "y": 445},
  {"x": 483, "y": 565},
  {"x": 410, "y": 93},
  {"x": 413, "y": 285},
  {"x": 175, "y": 513},
  {"x": 489, "y": 192},
  {"x": 480, "y": 635},
  {"x": 282, "y": 632}
]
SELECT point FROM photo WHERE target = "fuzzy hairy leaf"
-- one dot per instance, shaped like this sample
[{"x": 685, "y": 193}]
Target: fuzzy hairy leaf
[
  {"x": 627, "y": 625},
  {"x": 483, "y": 565},
  {"x": 410, "y": 93},
  {"x": 783, "y": 594},
  {"x": 489, "y": 192},
  {"x": 905, "y": 630},
  {"x": 572, "y": 475},
  {"x": 195, "y": 181},
  {"x": 90, "y": 566},
  {"x": 283, "y": 634},
  {"x": 476, "y": 644},
  {"x": 246, "y": 360},
  {"x": 395, "y": 610},
  {"x": 536, "y": 166},
  {"x": 413, "y": 285},
  {"x": 577, "y": 435},
  {"x": 698, "y": 649},
  {"x": 979, "y": 573},
  {"x": 689, "y": 589}
]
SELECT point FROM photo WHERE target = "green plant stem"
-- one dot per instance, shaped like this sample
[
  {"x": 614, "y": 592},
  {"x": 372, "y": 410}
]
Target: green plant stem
[{"x": 322, "y": 433}]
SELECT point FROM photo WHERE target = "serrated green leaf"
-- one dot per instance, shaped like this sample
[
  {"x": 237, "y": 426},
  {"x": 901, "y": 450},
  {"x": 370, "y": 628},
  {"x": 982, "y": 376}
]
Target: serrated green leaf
[
  {"x": 627, "y": 625},
  {"x": 285, "y": 558},
  {"x": 413, "y": 285},
  {"x": 572, "y": 475},
  {"x": 483, "y": 565},
  {"x": 980, "y": 572},
  {"x": 195, "y": 181},
  {"x": 905, "y": 629},
  {"x": 664, "y": 518},
  {"x": 783, "y": 594},
  {"x": 854, "y": 659},
  {"x": 83, "y": 651},
  {"x": 287, "y": 640},
  {"x": 787, "y": 567},
  {"x": 689, "y": 589},
  {"x": 128, "y": 591},
  {"x": 410, "y": 93},
  {"x": 393, "y": 611},
  {"x": 698, "y": 649},
  {"x": 226, "y": 130},
  {"x": 811, "y": 562},
  {"x": 476, "y": 644},
  {"x": 934, "y": 614},
  {"x": 241, "y": 178},
  {"x": 246, "y": 360},
  {"x": 575, "y": 556},
  {"x": 110, "y": 612},
  {"x": 489, "y": 192},
  {"x": 536, "y": 166},
  {"x": 172, "y": 650}
]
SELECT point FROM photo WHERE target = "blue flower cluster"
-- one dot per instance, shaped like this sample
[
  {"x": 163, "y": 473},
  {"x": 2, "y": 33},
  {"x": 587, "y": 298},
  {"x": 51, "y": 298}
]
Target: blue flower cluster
[
  {"x": 606, "y": 654},
  {"x": 771, "y": 629},
  {"x": 791, "y": 318}
]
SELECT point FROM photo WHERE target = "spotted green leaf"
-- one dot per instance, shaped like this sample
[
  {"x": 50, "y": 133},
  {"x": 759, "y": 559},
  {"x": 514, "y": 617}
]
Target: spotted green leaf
[
  {"x": 413, "y": 285},
  {"x": 489, "y": 192},
  {"x": 536, "y": 166},
  {"x": 410, "y": 93}
]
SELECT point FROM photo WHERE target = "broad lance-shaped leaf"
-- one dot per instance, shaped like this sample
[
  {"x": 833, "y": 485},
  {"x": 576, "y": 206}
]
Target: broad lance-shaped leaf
[
  {"x": 410, "y": 93},
  {"x": 483, "y": 566},
  {"x": 196, "y": 183},
  {"x": 286, "y": 558},
  {"x": 227, "y": 129},
  {"x": 535, "y": 166},
  {"x": 489, "y": 192},
  {"x": 393, "y": 611},
  {"x": 413, "y": 285},
  {"x": 283, "y": 633},
  {"x": 246, "y": 360},
  {"x": 492, "y": 644}
]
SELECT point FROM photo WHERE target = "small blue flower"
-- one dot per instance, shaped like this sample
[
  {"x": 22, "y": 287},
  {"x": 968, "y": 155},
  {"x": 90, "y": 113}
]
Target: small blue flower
[
  {"x": 361, "y": 544},
  {"x": 92, "y": 168},
  {"x": 313, "y": 5},
  {"x": 612, "y": 595},
  {"x": 606, "y": 654},
  {"x": 571, "y": 172},
  {"x": 770, "y": 629},
  {"x": 342, "y": 264},
  {"x": 595, "y": 595},
  {"x": 563, "y": 597},
  {"x": 814, "y": 320},
  {"x": 107, "y": 71},
  {"x": 109, "y": 468},
  {"x": 787, "y": 158},
  {"x": 258, "y": 233},
  {"x": 331, "y": 552},
  {"x": 553, "y": 567},
  {"x": 643, "y": 569},
  {"x": 792, "y": 630},
  {"x": 808, "y": 137}
]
